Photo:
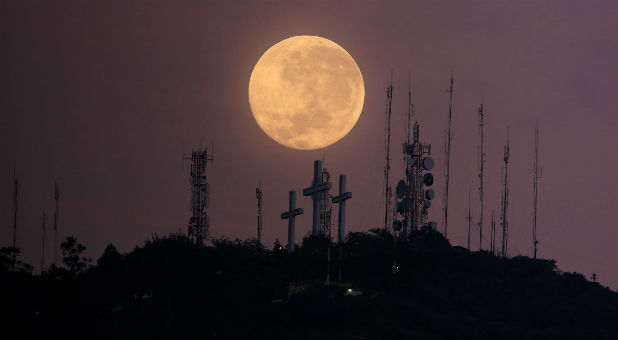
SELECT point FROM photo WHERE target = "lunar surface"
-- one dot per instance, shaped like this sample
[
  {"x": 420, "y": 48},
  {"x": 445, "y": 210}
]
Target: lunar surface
[{"x": 306, "y": 92}]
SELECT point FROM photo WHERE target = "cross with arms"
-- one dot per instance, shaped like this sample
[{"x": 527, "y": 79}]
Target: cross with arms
[
  {"x": 343, "y": 196},
  {"x": 314, "y": 190},
  {"x": 290, "y": 215}
]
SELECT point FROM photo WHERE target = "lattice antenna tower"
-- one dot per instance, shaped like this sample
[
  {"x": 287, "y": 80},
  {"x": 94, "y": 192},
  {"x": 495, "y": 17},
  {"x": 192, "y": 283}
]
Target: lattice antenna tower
[
  {"x": 481, "y": 173},
  {"x": 413, "y": 192},
  {"x": 447, "y": 156},
  {"x": 199, "y": 223},
  {"x": 407, "y": 156},
  {"x": 387, "y": 147},
  {"x": 505, "y": 199},
  {"x": 325, "y": 206},
  {"x": 535, "y": 241},
  {"x": 258, "y": 195}
]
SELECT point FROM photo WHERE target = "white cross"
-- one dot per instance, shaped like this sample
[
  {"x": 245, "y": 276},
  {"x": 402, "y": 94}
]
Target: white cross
[
  {"x": 314, "y": 190},
  {"x": 290, "y": 215},
  {"x": 343, "y": 196}
]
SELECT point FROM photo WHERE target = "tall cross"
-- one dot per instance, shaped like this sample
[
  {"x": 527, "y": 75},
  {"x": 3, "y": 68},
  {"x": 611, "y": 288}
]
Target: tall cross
[
  {"x": 343, "y": 196},
  {"x": 314, "y": 190},
  {"x": 290, "y": 215}
]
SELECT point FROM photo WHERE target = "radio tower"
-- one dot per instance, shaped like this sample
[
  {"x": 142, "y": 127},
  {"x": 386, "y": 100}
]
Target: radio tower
[
  {"x": 535, "y": 186},
  {"x": 505, "y": 199},
  {"x": 258, "y": 195},
  {"x": 199, "y": 223},
  {"x": 56, "y": 218},
  {"x": 481, "y": 174},
  {"x": 408, "y": 159},
  {"x": 387, "y": 167},
  {"x": 15, "y": 192},
  {"x": 447, "y": 155},
  {"x": 326, "y": 206}
]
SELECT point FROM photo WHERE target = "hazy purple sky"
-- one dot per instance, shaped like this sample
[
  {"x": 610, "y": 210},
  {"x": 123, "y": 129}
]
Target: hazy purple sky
[{"x": 101, "y": 95}]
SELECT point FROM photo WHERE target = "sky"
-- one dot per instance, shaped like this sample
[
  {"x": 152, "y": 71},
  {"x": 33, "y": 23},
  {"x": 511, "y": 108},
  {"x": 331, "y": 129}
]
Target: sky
[{"x": 104, "y": 97}]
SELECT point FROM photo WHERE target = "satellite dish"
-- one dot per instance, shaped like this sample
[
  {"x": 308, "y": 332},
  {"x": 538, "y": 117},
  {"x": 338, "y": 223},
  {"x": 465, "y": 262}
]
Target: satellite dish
[
  {"x": 427, "y": 204},
  {"x": 428, "y": 163},
  {"x": 406, "y": 204},
  {"x": 428, "y": 179},
  {"x": 399, "y": 208},
  {"x": 432, "y": 225},
  {"x": 430, "y": 194},
  {"x": 402, "y": 189},
  {"x": 412, "y": 161}
]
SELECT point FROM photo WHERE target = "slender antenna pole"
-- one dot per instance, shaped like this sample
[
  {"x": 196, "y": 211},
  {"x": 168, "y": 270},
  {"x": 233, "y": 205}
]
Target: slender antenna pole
[
  {"x": 535, "y": 186},
  {"x": 493, "y": 231},
  {"x": 387, "y": 191},
  {"x": 15, "y": 194},
  {"x": 448, "y": 156},
  {"x": 43, "y": 245},
  {"x": 505, "y": 198},
  {"x": 481, "y": 174},
  {"x": 56, "y": 218},
  {"x": 410, "y": 107}
]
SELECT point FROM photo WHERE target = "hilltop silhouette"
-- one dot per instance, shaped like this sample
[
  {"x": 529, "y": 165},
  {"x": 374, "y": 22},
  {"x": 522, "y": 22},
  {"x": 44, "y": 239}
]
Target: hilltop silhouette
[{"x": 169, "y": 288}]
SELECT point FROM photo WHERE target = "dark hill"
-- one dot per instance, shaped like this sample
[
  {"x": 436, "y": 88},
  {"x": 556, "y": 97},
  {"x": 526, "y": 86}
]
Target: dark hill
[{"x": 168, "y": 288}]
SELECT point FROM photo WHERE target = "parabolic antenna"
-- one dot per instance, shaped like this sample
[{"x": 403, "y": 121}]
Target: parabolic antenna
[
  {"x": 428, "y": 163},
  {"x": 428, "y": 179},
  {"x": 430, "y": 194},
  {"x": 402, "y": 189}
]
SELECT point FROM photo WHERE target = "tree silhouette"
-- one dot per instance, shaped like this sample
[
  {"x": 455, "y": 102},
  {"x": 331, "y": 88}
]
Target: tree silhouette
[{"x": 71, "y": 256}]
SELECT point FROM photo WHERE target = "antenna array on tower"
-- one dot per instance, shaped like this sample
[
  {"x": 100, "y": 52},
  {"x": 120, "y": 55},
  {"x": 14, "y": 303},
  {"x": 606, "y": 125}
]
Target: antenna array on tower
[{"x": 199, "y": 223}]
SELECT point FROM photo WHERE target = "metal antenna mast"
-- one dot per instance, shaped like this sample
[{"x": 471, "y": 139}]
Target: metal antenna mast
[
  {"x": 505, "y": 198},
  {"x": 493, "y": 231},
  {"x": 469, "y": 218},
  {"x": 448, "y": 155},
  {"x": 199, "y": 223},
  {"x": 258, "y": 195},
  {"x": 481, "y": 174},
  {"x": 56, "y": 217},
  {"x": 410, "y": 107},
  {"x": 43, "y": 245},
  {"x": 387, "y": 167},
  {"x": 15, "y": 192},
  {"x": 535, "y": 186}
]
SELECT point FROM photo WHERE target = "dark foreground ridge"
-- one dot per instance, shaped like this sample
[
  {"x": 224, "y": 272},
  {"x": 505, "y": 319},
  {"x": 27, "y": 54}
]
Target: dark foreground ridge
[{"x": 168, "y": 288}]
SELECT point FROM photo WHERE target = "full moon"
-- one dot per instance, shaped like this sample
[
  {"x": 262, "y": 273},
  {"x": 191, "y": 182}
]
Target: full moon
[{"x": 306, "y": 92}]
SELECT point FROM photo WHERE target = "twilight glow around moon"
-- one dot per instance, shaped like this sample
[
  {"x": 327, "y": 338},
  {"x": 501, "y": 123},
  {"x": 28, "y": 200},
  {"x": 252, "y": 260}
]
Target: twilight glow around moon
[{"x": 306, "y": 92}]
